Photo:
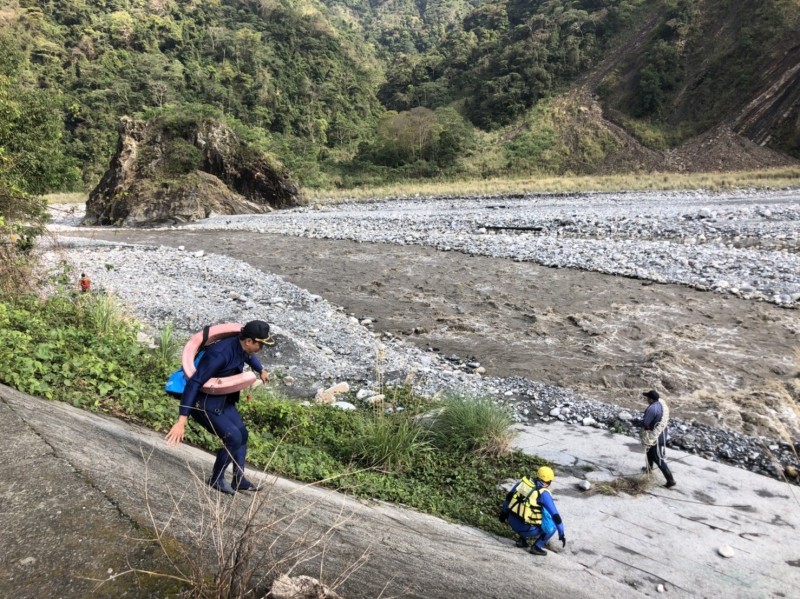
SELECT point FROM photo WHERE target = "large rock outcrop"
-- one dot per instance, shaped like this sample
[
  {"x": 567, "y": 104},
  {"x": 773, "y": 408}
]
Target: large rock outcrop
[{"x": 175, "y": 171}]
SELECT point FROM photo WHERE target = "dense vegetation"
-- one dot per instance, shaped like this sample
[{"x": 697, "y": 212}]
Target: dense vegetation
[
  {"x": 22, "y": 220},
  {"x": 505, "y": 56},
  {"x": 80, "y": 349},
  {"x": 273, "y": 67},
  {"x": 347, "y": 92}
]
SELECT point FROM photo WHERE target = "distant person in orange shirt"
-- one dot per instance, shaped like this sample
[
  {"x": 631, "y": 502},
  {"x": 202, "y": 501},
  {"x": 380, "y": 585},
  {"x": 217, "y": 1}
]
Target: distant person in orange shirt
[{"x": 84, "y": 283}]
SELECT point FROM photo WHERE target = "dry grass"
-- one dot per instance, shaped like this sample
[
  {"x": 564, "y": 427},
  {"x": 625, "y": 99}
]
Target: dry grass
[
  {"x": 222, "y": 547},
  {"x": 79, "y": 197},
  {"x": 767, "y": 178},
  {"x": 789, "y": 472},
  {"x": 630, "y": 485}
]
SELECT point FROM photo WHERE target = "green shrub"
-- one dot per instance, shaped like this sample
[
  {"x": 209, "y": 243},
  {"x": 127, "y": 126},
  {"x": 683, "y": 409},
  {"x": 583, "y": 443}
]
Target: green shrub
[
  {"x": 528, "y": 150},
  {"x": 286, "y": 421},
  {"x": 22, "y": 219},
  {"x": 304, "y": 463},
  {"x": 82, "y": 350},
  {"x": 472, "y": 424},
  {"x": 181, "y": 157},
  {"x": 403, "y": 396}
]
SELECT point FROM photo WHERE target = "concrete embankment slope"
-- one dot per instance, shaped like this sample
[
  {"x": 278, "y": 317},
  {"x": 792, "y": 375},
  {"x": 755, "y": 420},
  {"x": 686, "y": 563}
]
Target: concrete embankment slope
[
  {"x": 672, "y": 537},
  {"x": 80, "y": 488}
]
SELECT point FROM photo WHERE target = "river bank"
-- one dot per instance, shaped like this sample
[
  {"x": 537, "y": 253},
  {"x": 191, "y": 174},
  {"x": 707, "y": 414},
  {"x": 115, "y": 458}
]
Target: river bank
[{"x": 591, "y": 341}]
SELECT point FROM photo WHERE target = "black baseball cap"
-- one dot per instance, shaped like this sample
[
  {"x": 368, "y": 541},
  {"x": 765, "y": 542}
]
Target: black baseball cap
[
  {"x": 651, "y": 395},
  {"x": 257, "y": 330}
]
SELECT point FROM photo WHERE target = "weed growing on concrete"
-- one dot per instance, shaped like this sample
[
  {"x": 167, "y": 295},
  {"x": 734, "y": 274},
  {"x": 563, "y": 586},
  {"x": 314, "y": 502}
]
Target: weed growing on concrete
[{"x": 222, "y": 547}]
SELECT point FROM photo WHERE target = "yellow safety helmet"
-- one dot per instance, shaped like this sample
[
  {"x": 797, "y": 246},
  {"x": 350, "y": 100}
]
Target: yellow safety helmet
[{"x": 545, "y": 474}]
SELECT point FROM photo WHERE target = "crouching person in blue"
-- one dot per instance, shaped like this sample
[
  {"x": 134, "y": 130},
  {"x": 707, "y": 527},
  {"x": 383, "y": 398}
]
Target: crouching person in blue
[
  {"x": 218, "y": 413},
  {"x": 529, "y": 509}
]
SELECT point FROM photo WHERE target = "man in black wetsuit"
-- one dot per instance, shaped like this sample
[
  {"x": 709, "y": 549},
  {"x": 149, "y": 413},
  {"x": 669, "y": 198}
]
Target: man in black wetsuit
[{"x": 218, "y": 413}]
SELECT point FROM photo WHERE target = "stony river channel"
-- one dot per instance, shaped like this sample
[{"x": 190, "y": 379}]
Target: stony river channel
[{"x": 561, "y": 306}]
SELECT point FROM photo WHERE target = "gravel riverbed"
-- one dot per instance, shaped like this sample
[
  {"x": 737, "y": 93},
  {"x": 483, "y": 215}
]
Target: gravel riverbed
[{"x": 744, "y": 244}]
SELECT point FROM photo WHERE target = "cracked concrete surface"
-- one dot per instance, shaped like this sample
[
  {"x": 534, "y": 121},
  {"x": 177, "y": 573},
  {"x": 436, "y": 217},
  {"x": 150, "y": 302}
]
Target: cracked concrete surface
[{"x": 88, "y": 465}]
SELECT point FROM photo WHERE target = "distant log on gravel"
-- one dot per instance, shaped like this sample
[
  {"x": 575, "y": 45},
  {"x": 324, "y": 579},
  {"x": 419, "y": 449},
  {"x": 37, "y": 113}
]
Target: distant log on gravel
[{"x": 182, "y": 170}]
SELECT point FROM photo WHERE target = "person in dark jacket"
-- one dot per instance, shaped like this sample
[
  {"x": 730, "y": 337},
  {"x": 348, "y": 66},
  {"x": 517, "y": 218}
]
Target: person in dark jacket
[
  {"x": 218, "y": 413},
  {"x": 654, "y": 434},
  {"x": 530, "y": 510}
]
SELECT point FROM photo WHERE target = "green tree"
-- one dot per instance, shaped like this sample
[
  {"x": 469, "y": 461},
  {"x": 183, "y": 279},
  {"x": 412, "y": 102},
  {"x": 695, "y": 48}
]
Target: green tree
[
  {"x": 32, "y": 157},
  {"x": 657, "y": 78},
  {"x": 22, "y": 219},
  {"x": 456, "y": 137}
]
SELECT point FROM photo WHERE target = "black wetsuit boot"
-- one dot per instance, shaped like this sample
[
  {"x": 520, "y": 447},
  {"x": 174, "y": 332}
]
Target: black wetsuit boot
[{"x": 667, "y": 474}]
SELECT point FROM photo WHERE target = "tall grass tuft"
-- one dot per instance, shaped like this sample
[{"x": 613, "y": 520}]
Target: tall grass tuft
[
  {"x": 391, "y": 444},
  {"x": 472, "y": 424},
  {"x": 168, "y": 346},
  {"x": 104, "y": 314}
]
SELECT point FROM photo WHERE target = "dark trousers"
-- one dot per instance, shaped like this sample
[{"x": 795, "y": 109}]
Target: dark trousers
[
  {"x": 655, "y": 455},
  {"x": 541, "y": 534},
  {"x": 219, "y": 416}
]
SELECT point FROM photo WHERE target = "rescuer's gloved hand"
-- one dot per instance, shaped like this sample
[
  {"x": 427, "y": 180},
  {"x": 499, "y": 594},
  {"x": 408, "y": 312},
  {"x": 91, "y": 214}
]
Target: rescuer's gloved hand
[
  {"x": 503, "y": 517},
  {"x": 563, "y": 540}
]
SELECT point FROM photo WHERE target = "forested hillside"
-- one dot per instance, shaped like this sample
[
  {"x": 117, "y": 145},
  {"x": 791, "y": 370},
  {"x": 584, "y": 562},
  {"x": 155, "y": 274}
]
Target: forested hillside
[
  {"x": 348, "y": 92},
  {"x": 665, "y": 70},
  {"x": 506, "y": 55},
  {"x": 278, "y": 67}
]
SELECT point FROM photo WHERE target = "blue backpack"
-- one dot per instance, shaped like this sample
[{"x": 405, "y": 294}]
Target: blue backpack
[{"x": 176, "y": 382}]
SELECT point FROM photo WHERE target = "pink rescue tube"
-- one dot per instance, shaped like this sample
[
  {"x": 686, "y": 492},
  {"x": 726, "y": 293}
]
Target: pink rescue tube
[{"x": 216, "y": 386}]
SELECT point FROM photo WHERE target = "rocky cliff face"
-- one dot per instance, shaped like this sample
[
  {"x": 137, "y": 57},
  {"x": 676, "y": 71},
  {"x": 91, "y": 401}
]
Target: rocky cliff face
[
  {"x": 775, "y": 112},
  {"x": 181, "y": 171}
]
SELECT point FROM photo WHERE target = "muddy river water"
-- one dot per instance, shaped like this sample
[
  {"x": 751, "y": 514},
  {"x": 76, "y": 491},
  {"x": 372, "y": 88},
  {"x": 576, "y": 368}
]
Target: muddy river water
[{"x": 720, "y": 360}]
